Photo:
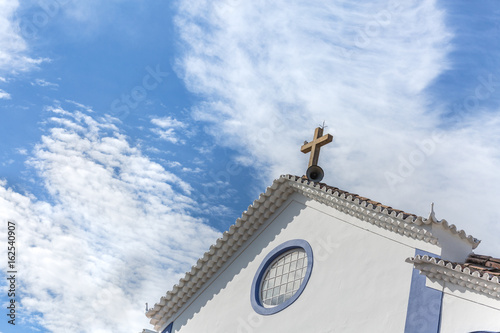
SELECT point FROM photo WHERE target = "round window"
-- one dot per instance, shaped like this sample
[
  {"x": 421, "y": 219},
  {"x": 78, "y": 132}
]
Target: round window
[{"x": 282, "y": 277}]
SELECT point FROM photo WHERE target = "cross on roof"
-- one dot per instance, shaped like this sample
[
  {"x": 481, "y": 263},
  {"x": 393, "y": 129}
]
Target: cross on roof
[{"x": 318, "y": 141}]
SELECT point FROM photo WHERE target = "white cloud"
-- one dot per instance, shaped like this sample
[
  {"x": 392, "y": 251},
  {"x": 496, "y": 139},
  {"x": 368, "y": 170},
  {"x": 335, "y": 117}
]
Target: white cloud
[
  {"x": 276, "y": 74},
  {"x": 116, "y": 235},
  {"x": 167, "y": 129},
  {"x": 173, "y": 164},
  {"x": 204, "y": 149},
  {"x": 168, "y": 122},
  {"x": 191, "y": 170},
  {"x": 44, "y": 83},
  {"x": 14, "y": 53},
  {"x": 271, "y": 72},
  {"x": 4, "y": 94},
  {"x": 81, "y": 106},
  {"x": 168, "y": 135}
]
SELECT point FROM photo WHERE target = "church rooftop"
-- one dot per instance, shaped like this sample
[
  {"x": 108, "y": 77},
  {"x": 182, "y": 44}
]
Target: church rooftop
[{"x": 260, "y": 210}]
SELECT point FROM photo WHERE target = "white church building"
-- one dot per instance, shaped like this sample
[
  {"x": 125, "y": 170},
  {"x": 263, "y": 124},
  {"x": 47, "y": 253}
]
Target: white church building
[{"x": 308, "y": 257}]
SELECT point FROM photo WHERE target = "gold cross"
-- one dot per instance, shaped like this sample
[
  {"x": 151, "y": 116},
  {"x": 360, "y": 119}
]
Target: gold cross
[{"x": 314, "y": 146}]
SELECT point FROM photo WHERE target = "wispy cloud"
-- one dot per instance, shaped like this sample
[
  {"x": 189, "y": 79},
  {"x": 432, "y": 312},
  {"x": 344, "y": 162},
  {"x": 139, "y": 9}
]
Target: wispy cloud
[
  {"x": 14, "y": 53},
  {"x": 7, "y": 162},
  {"x": 166, "y": 129},
  {"x": 44, "y": 83},
  {"x": 116, "y": 232},
  {"x": 4, "y": 94},
  {"x": 270, "y": 73},
  {"x": 81, "y": 106},
  {"x": 168, "y": 122}
]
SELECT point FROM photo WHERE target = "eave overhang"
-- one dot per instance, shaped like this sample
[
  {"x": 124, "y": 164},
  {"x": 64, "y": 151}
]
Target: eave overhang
[{"x": 458, "y": 274}]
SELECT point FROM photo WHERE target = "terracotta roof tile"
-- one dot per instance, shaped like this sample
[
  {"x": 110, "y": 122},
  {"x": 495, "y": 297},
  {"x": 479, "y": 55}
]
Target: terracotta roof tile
[
  {"x": 483, "y": 264},
  {"x": 479, "y": 263},
  {"x": 493, "y": 265}
]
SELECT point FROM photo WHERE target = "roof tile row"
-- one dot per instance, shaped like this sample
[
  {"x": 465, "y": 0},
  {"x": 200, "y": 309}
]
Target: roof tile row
[{"x": 483, "y": 264}]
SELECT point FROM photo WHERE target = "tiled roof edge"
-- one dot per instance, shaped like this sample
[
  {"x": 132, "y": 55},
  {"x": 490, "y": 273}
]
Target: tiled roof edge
[
  {"x": 363, "y": 208},
  {"x": 244, "y": 227},
  {"x": 457, "y": 274},
  {"x": 257, "y": 213}
]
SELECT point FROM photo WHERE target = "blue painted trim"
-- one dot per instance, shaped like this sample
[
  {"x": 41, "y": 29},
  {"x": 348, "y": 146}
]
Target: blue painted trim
[
  {"x": 257, "y": 280},
  {"x": 423, "y": 314},
  {"x": 168, "y": 329}
]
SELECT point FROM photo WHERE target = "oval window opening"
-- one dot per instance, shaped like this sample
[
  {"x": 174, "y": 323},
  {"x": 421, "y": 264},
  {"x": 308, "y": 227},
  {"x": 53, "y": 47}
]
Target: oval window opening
[{"x": 281, "y": 277}]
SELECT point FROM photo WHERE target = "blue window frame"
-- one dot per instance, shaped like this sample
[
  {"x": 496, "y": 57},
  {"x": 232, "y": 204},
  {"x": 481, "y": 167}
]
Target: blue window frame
[{"x": 255, "y": 296}]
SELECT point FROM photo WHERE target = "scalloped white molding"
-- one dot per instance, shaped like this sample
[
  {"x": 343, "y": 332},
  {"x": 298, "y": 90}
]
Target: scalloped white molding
[
  {"x": 262, "y": 208},
  {"x": 379, "y": 215},
  {"x": 463, "y": 276}
]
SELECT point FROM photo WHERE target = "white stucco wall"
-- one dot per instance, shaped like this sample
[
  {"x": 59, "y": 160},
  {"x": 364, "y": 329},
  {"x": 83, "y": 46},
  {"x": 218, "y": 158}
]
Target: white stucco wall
[
  {"x": 466, "y": 311},
  {"x": 453, "y": 248},
  {"x": 359, "y": 280}
]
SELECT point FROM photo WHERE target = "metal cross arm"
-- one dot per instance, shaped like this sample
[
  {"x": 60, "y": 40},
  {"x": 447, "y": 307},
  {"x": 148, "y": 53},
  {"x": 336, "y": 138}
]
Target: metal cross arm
[{"x": 314, "y": 146}]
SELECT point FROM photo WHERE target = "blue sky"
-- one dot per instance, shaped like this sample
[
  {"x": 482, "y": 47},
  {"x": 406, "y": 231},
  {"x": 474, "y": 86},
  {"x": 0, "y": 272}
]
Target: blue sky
[{"x": 133, "y": 132}]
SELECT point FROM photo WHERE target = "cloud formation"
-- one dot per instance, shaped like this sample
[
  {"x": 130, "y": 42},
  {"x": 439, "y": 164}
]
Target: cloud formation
[
  {"x": 4, "y": 94},
  {"x": 14, "y": 53},
  {"x": 44, "y": 83},
  {"x": 269, "y": 73},
  {"x": 114, "y": 229},
  {"x": 115, "y": 233},
  {"x": 166, "y": 129}
]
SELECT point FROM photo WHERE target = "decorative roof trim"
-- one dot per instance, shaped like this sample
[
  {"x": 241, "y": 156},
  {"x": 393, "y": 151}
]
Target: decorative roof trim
[
  {"x": 261, "y": 209},
  {"x": 455, "y": 273},
  {"x": 375, "y": 212}
]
